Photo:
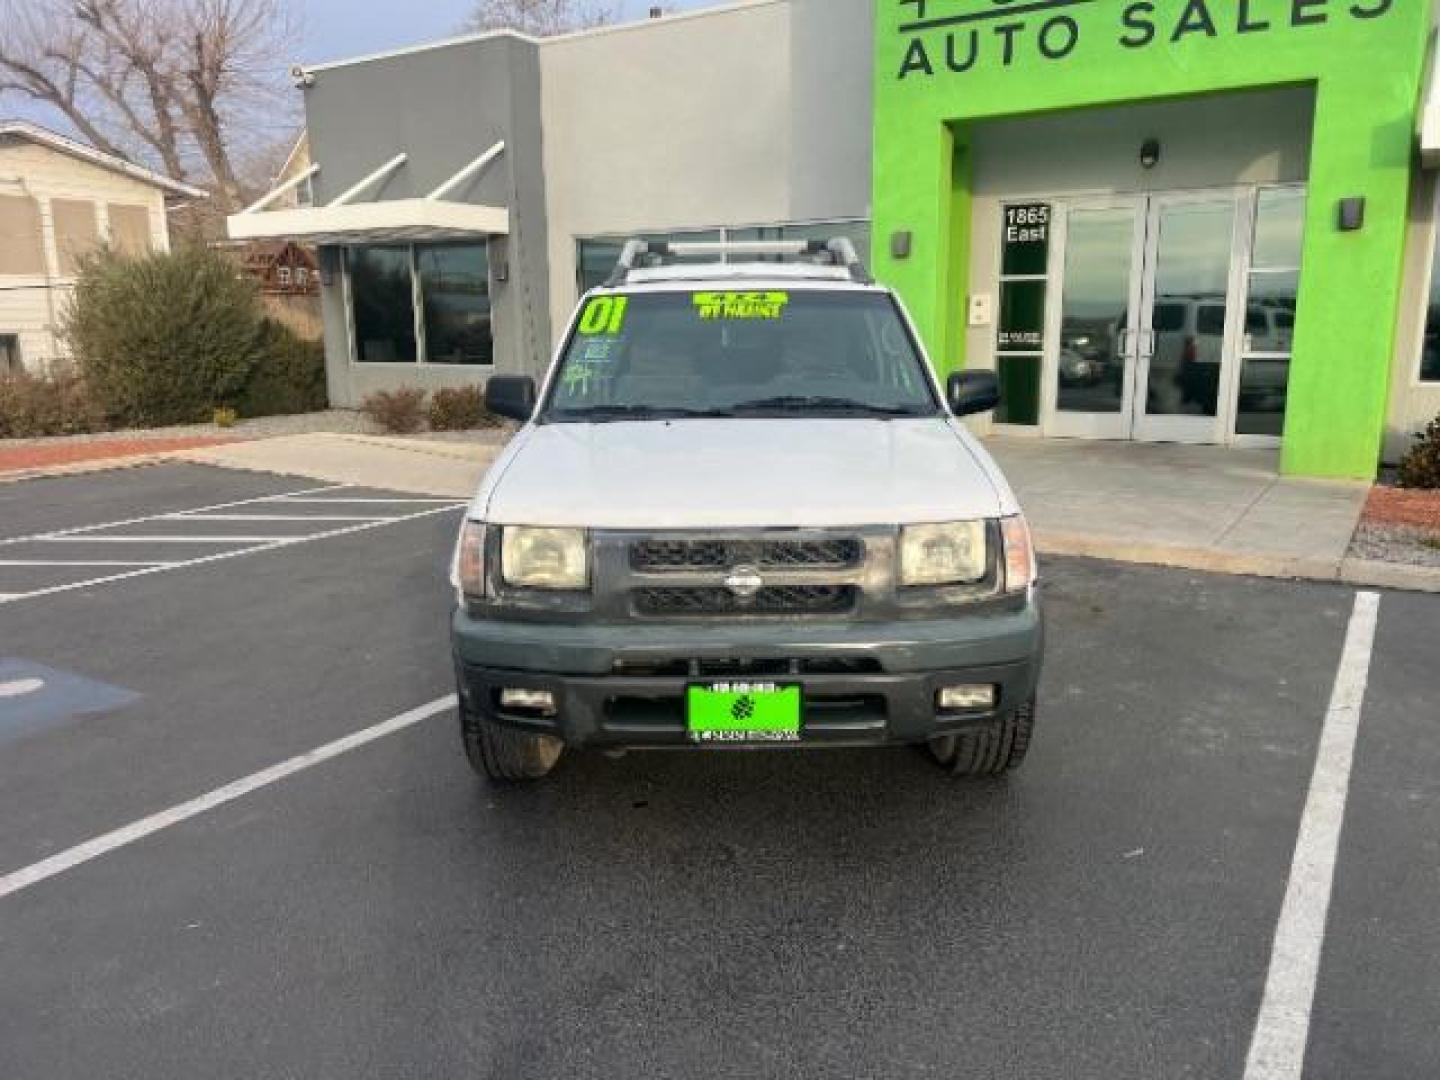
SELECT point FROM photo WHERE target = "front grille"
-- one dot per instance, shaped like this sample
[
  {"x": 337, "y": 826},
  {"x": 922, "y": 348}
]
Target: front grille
[
  {"x": 772, "y": 600},
  {"x": 657, "y": 556}
]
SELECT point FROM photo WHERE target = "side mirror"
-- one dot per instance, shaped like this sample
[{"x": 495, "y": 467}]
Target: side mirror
[
  {"x": 971, "y": 392},
  {"x": 511, "y": 396}
]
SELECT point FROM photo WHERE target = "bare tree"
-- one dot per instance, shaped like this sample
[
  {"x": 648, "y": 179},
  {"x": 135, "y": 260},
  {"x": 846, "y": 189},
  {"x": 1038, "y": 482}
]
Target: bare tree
[
  {"x": 194, "y": 87},
  {"x": 542, "y": 18}
]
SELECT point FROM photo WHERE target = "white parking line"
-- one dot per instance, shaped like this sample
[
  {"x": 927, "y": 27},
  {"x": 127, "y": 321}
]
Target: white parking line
[
  {"x": 138, "y": 830},
  {"x": 158, "y": 517},
  {"x": 273, "y": 544},
  {"x": 1277, "y": 1050},
  {"x": 193, "y": 516},
  {"x": 85, "y": 562},
  {"x": 164, "y": 538},
  {"x": 363, "y": 502}
]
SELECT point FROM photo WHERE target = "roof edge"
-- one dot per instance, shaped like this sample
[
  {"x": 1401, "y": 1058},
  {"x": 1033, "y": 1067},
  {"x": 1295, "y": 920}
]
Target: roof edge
[{"x": 28, "y": 129}]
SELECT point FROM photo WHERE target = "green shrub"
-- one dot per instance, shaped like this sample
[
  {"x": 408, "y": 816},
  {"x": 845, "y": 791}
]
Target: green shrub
[
  {"x": 400, "y": 412},
  {"x": 459, "y": 410},
  {"x": 164, "y": 338},
  {"x": 32, "y": 406},
  {"x": 289, "y": 376},
  {"x": 1421, "y": 466}
]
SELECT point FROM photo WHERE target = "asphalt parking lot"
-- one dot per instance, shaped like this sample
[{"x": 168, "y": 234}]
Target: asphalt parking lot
[{"x": 1110, "y": 912}]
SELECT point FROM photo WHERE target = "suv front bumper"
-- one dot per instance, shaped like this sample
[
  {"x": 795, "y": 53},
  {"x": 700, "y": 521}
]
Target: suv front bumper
[{"x": 622, "y": 686}]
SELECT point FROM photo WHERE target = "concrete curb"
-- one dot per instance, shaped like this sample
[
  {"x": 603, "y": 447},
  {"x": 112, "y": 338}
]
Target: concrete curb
[
  {"x": 1384, "y": 575},
  {"x": 81, "y": 468},
  {"x": 1346, "y": 571}
]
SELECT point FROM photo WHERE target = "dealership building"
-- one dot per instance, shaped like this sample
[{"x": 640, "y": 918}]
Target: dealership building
[{"x": 1199, "y": 221}]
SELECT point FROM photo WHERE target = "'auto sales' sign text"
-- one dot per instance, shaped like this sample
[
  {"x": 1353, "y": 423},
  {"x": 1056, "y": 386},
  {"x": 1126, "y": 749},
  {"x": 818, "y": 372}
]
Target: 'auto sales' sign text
[{"x": 1002, "y": 32}]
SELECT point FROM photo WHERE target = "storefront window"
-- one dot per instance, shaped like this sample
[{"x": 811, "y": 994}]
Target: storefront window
[
  {"x": 1020, "y": 337},
  {"x": 598, "y": 255},
  {"x": 383, "y": 297},
  {"x": 455, "y": 291},
  {"x": 1274, "y": 287},
  {"x": 1430, "y": 348}
]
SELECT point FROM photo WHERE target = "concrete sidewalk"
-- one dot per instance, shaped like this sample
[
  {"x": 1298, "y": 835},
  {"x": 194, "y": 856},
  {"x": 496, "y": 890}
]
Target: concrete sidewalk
[
  {"x": 418, "y": 466},
  {"x": 1197, "y": 507},
  {"x": 1203, "y": 507}
]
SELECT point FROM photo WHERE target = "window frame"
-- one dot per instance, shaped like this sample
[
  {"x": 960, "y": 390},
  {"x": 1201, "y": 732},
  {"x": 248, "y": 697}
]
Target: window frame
[
  {"x": 1049, "y": 283},
  {"x": 417, "y": 308},
  {"x": 1247, "y": 271},
  {"x": 1422, "y": 314}
]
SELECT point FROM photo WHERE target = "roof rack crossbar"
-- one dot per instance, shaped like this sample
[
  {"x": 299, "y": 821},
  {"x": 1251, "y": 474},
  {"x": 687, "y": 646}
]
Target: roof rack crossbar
[{"x": 638, "y": 254}]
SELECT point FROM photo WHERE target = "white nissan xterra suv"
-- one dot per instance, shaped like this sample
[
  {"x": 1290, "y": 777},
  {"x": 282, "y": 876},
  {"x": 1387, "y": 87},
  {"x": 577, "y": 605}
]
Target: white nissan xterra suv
[{"x": 743, "y": 513}]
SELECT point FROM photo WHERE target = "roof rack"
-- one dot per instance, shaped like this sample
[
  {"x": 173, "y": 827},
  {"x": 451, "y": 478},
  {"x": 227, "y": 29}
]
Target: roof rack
[{"x": 648, "y": 254}]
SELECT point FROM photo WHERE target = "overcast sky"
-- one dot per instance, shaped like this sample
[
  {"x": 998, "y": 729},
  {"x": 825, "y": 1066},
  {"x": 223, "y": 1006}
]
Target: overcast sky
[{"x": 335, "y": 29}]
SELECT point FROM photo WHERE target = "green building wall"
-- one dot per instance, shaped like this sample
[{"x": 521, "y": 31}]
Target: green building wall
[{"x": 1365, "y": 60}]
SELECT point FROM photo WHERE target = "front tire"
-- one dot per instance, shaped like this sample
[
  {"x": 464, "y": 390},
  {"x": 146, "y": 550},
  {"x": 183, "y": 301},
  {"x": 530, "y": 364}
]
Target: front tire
[
  {"x": 504, "y": 755},
  {"x": 993, "y": 752}
]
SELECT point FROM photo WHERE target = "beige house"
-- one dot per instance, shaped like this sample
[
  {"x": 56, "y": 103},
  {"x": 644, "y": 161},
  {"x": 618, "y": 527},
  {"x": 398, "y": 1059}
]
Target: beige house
[{"x": 60, "y": 199}]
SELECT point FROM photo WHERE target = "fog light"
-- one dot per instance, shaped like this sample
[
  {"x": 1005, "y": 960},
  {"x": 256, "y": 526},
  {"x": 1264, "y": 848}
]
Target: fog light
[
  {"x": 966, "y": 698},
  {"x": 531, "y": 701}
]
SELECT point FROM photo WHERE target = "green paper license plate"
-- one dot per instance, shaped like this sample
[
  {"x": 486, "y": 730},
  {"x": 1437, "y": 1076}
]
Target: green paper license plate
[{"x": 744, "y": 712}]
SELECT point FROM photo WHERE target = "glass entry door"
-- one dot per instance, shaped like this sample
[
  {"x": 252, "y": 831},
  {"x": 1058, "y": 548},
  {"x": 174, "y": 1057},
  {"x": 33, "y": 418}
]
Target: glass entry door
[
  {"x": 1142, "y": 325},
  {"x": 1090, "y": 387},
  {"x": 1189, "y": 287}
]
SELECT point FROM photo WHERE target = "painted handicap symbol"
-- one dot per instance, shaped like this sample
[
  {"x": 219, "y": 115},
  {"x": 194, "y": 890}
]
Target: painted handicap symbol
[
  {"x": 19, "y": 687},
  {"x": 36, "y": 698}
]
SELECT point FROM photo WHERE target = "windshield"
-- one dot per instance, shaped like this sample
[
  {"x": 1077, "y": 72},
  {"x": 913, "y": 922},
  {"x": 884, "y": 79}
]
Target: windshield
[{"x": 674, "y": 355}]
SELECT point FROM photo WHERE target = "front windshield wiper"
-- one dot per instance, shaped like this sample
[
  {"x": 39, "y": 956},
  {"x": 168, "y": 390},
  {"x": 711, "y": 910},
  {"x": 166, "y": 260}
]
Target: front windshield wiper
[
  {"x": 808, "y": 403},
  {"x": 603, "y": 413}
]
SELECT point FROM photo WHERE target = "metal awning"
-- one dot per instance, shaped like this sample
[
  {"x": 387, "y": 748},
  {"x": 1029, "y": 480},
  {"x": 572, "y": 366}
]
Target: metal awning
[
  {"x": 1430, "y": 112},
  {"x": 347, "y": 220}
]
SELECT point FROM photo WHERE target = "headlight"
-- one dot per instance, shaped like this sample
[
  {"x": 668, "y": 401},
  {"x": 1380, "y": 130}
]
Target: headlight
[
  {"x": 545, "y": 558},
  {"x": 952, "y": 554},
  {"x": 467, "y": 571}
]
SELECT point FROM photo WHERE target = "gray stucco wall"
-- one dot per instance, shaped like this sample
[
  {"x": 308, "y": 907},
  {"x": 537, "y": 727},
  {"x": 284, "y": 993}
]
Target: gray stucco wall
[
  {"x": 733, "y": 117},
  {"x": 443, "y": 107}
]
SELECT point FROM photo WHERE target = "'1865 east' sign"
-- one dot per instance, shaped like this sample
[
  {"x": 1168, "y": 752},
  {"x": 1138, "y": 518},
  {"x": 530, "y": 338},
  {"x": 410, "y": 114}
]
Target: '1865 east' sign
[{"x": 944, "y": 39}]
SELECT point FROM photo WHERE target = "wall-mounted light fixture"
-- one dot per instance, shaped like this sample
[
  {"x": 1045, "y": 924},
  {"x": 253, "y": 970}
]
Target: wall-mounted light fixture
[
  {"x": 1352, "y": 214},
  {"x": 1150, "y": 153},
  {"x": 901, "y": 243}
]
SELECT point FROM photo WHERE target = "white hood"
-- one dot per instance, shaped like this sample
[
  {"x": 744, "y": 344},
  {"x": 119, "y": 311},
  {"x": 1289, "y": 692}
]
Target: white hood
[{"x": 693, "y": 474}]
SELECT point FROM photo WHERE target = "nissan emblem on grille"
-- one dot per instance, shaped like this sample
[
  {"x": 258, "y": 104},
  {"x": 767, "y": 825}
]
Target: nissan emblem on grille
[{"x": 745, "y": 582}]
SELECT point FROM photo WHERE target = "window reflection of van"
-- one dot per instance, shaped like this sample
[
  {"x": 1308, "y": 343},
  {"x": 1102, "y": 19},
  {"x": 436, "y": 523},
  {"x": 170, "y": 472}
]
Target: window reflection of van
[
  {"x": 1189, "y": 344},
  {"x": 1269, "y": 329}
]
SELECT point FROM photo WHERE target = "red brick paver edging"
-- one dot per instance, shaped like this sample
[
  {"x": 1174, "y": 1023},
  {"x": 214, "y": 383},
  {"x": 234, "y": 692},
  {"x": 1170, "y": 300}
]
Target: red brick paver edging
[{"x": 42, "y": 456}]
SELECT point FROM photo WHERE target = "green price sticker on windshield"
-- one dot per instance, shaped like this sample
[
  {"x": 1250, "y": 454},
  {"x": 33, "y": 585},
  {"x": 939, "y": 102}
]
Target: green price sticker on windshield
[
  {"x": 741, "y": 305},
  {"x": 604, "y": 315}
]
